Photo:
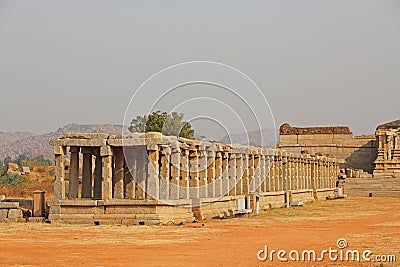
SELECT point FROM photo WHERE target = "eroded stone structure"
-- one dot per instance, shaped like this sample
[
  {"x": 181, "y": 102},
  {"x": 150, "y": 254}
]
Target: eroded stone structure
[
  {"x": 388, "y": 158},
  {"x": 357, "y": 152},
  {"x": 150, "y": 178}
]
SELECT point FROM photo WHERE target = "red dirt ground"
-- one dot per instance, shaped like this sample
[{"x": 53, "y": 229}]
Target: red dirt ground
[{"x": 366, "y": 223}]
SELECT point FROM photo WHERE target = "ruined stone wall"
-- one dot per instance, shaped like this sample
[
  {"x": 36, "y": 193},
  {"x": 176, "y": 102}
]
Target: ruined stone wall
[{"x": 357, "y": 152}]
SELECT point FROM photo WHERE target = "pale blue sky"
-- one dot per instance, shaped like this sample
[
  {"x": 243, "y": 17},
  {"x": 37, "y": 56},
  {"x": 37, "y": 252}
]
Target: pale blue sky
[{"x": 317, "y": 62}]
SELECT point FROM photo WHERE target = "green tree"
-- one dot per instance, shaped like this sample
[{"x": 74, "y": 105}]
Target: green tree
[
  {"x": 167, "y": 124},
  {"x": 6, "y": 161},
  {"x": 23, "y": 160}
]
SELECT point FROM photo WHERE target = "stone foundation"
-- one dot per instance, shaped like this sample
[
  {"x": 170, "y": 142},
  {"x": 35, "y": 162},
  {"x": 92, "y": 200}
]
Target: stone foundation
[{"x": 10, "y": 212}]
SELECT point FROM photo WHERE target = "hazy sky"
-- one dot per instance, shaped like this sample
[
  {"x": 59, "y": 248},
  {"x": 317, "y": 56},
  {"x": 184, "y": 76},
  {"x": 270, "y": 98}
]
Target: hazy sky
[{"x": 317, "y": 62}]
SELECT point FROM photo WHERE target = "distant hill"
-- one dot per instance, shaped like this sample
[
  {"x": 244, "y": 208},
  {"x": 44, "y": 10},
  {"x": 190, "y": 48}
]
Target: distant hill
[
  {"x": 13, "y": 144},
  {"x": 254, "y": 138}
]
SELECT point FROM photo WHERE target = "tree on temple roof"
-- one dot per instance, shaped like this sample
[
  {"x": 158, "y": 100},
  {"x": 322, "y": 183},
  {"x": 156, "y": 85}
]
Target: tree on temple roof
[{"x": 167, "y": 124}]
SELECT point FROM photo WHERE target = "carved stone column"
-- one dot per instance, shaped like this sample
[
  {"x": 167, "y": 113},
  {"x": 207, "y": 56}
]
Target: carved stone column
[
  {"x": 218, "y": 174},
  {"x": 184, "y": 180},
  {"x": 203, "y": 172},
  {"x": 239, "y": 174},
  {"x": 165, "y": 172},
  {"x": 211, "y": 172},
  {"x": 106, "y": 157},
  {"x": 291, "y": 174},
  {"x": 153, "y": 183},
  {"x": 87, "y": 175},
  {"x": 245, "y": 177},
  {"x": 286, "y": 183},
  {"x": 73, "y": 172},
  {"x": 119, "y": 172},
  {"x": 175, "y": 172},
  {"x": 98, "y": 176},
  {"x": 141, "y": 171},
  {"x": 232, "y": 174},
  {"x": 225, "y": 174},
  {"x": 263, "y": 172},
  {"x": 194, "y": 182},
  {"x": 279, "y": 181},
  {"x": 59, "y": 184}
]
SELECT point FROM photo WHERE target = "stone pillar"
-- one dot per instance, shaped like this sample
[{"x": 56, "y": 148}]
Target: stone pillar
[
  {"x": 232, "y": 174},
  {"x": 320, "y": 176},
  {"x": 153, "y": 183},
  {"x": 194, "y": 182},
  {"x": 276, "y": 171},
  {"x": 175, "y": 172},
  {"x": 285, "y": 171},
  {"x": 297, "y": 172},
  {"x": 203, "y": 173},
  {"x": 39, "y": 203},
  {"x": 130, "y": 172},
  {"x": 291, "y": 176},
  {"x": 59, "y": 184},
  {"x": 141, "y": 171},
  {"x": 271, "y": 171},
  {"x": 314, "y": 177},
  {"x": 310, "y": 170},
  {"x": 329, "y": 173},
  {"x": 106, "y": 158},
  {"x": 218, "y": 174},
  {"x": 246, "y": 174},
  {"x": 257, "y": 173},
  {"x": 239, "y": 174},
  {"x": 307, "y": 172},
  {"x": 211, "y": 173},
  {"x": 87, "y": 175},
  {"x": 252, "y": 171},
  {"x": 280, "y": 177},
  {"x": 73, "y": 172},
  {"x": 274, "y": 176},
  {"x": 302, "y": 172},
  {"x": 119, "y": 172},
  {"x": 184, "y": 179},
  {"x": 225, "y": 174},
  {"x": 263, "y": 172},
  {"x": 324, "y": 173},
  {"x": 97, "y": 175},
  {"x": 269, "y": 168},
  {"x": 165, "y": 172},
  {"x": 129, "y": 182}
]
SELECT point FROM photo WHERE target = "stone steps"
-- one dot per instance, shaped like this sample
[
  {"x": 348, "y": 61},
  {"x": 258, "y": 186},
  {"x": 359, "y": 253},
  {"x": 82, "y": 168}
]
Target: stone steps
[{"x": 378, "y": 186}]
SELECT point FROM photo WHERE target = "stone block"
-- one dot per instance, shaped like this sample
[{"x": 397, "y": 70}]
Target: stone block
[
  {"x": 9, "y": 205},
  {"x": 79, "y": 202},
  {"x": 105, "y": 151},
  {"x": 14, "y": 213},
  {"x": 85, "y": 135},
  {"x": 78, "y": 142},
  {"x": 59, "y": 150},
  {"x": 36, "y": 219},
  {"x": 3, "y": 214}
]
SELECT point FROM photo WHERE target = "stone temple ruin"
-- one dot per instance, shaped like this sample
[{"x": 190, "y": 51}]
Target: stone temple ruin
[
  {"x": 377, "y": 154},
  {"x": 148, "y": 178},
  {"x": 388, "y": 154},
  {"x": 371, "y": 161}
]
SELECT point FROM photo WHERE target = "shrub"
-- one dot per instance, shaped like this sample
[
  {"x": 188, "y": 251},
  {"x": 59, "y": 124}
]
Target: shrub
[{"x": 13, "y": 181}]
